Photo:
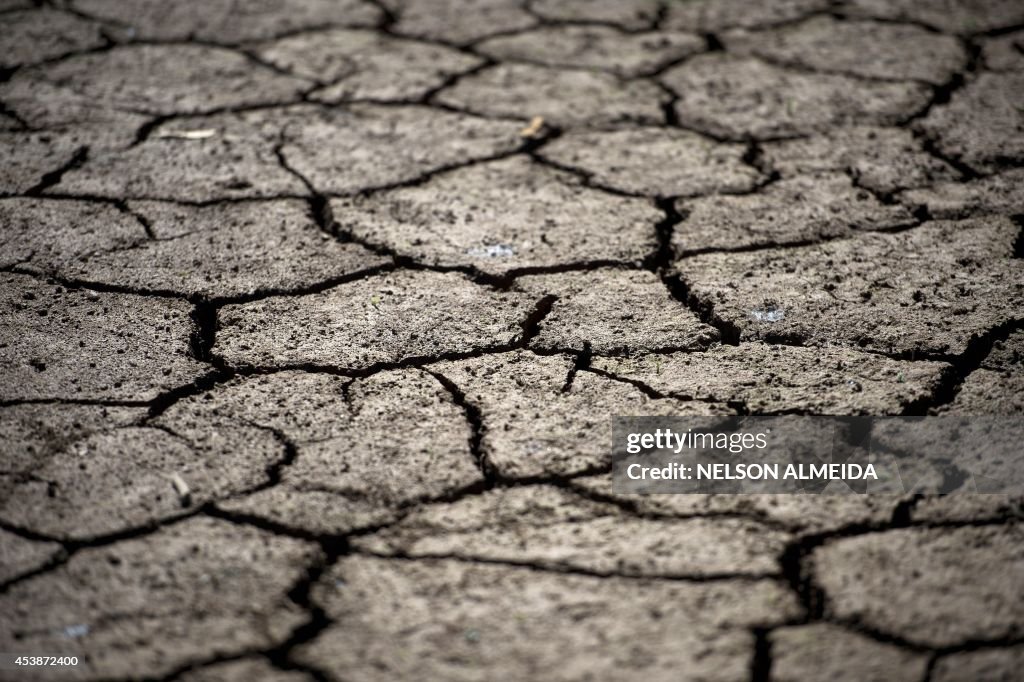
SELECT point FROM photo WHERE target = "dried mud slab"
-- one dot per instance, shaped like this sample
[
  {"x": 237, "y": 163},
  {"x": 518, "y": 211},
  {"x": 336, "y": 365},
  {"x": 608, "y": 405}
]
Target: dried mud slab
[
  {"x": 388, "y": 318},
  {"x": 68, "y": 119},
  {"x": 883, "y": 160},
  {"x": 1001, "y": 194},
  {"x": 938, "y": 587},
  {"x": 968, "y": 507},
  {"x": 42, "y": 34},
  {"x": 793, "y": 211},
  {"x": 928, "y": 290},
  {"x": 402, "y": 620},
  {"x": 32, "y": 433},
  {"x": 739, "y": 97},
  {"x": 458, "y": 21},
  {"x": 956, "y": 16},
  {"x": 208, "y": 158},
  {"x": 711, "y": 16},
  {"x": 636, "y": 15},
  {"x": 997, "y": 387},
  {"x": 1004, "y": 53},
  {"x": 597, "y": 47},
  {"x": 61, "y": 343},
  {"x": 660, "y": 162},
  {"x": 159, "y": 602},
  {"x": 1007, "y": 354},
  {"x": 29, "y": 158},
  {"x": 501, "y": 217},
  {"x": 796, "y": 514},
  {"x": 769, "y": 379},
  {"x": 534, "y": 426},
  {"x": 51, "y": 236},
  {"x": 563, "y": 97},
  {"x": 987, "y": 664},
  {"x": 357, "y": 64},
  {"x": 228, "y": 251},
  {"x": 173, "y": 79},
  {"x": 19, "y": 556},
  {"x": 867, "y": 49},
  {"x": 981, "y": 125},
  {"x": 123, "y": 479},
  {"x": 614, "y": 311},
  {"x": 600, "y": 542},
  {"x": 225, "y": 21},
  {"x": 363, "y": 147},
  {"x": 363, "y": 451},
  {"x": 822, "y": 651},
  {"x": 341, "y": 151}
]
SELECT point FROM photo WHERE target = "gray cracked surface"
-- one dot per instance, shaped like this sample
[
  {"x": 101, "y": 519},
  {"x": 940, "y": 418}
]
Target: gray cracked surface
[
  {"x": 771, "y": 379},
  {"x": 291, "y": 254},
  {"x": 736, "y": 97},
  {"x": 944, "y": 587},
  {"x": 314, "y": 313},
  {"x": 125, "y": 347},
  {"x": 810, "y": 296},
  {"x": 868, "y": 49},
  {"x": 563, "y": 621},
  {"x": 793, "y": 211},
  {"x": 370, "y": 321},
  {"x": 882, "y": 160},
  {"x": 562, "y": 97},
  {"x": 223, "y": 21},
  {"x": 501, "y": 217},
  {"x": 363, "y": 64},
  {"x": 172, "y": 79},
  {"x": 598, "y": 47},
  {"x": 237, "y": 578},
  {"x": 656, "y": 162},
  {"x": 643, "y": 316}
]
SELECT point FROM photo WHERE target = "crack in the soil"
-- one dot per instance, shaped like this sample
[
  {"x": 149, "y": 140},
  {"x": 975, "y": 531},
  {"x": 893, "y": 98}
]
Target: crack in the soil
[
  {"x": 794, "y": 559},
  {"x": 960, "y": 367},
  {"x": 566, "y": 569},
  {"x": 761, "y": 661},
  {"x": 581, "y": 362},
  {"x": 54, "y": 177},
  {"x": 475, "y": 421}
]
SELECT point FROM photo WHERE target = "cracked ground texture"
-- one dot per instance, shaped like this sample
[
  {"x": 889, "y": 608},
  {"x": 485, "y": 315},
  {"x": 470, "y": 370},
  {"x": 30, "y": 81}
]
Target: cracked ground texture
[{"x": 312, "y": 330}]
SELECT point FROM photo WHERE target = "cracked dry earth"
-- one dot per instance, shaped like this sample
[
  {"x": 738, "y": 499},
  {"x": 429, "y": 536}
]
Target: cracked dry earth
[{"x": 311, "y": 334}]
